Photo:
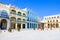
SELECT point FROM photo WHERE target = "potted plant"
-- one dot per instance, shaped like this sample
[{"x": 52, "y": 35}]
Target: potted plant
[{"x": 10, "y": 29}]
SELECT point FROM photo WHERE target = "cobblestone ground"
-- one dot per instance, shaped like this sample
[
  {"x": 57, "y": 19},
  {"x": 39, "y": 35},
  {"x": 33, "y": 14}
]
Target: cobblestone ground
[{"x": 47, "y": 34}]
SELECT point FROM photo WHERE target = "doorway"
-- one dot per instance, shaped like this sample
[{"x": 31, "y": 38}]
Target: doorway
[
  {"x": 23, "y": 26},
  {"x": 19, "y": 26},
  {"x": 3, "y": 24},
  {"x": 12, "y": 24}
]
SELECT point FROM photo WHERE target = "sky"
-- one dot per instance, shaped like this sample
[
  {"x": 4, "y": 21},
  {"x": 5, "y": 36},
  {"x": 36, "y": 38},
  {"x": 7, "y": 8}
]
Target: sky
[{"x": 41, "y": 8}]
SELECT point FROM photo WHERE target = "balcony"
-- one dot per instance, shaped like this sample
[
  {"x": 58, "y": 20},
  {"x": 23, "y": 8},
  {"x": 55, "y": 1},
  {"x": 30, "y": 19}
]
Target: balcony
[
  {"x": 19, "y": 14},
  {"x": 13, "y": 19},
  {"x": 13, "y": 13}
]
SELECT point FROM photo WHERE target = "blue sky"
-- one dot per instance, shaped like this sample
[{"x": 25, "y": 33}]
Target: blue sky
[{"x": 40, "y": 7}]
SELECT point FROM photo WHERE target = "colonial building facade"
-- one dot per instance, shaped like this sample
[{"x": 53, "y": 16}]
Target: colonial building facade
[
  {"x": 11, "y": 16},
  {"x": 52, "y": 21},
  {"x": 32, "y": 20}
]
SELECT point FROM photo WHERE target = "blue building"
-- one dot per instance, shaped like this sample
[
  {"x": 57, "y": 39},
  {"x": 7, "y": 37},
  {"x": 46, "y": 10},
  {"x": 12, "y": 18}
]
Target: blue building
[{"x": 32, "y": 21}]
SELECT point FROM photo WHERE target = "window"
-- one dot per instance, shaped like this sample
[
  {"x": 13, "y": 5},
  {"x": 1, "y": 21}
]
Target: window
[
  {"x": 54, "y": 17},
  {"x": 57, "y": 16},
  {"x": 53, "y": 20},
  {"x": 13, "y": 12},
  {"x": 19, "y": 19},
  {"x": 13, "y": 19},
  {"x": 24, "y": 14},
  {"x": 24, "y": 20},
  {"x": 23, "y": 26},
  {"x": 30, "y": 25},
  {"x": 50, "y": 21},
  {"x": 56, "y": 20},
  {"x": 27, "y": 25},
  {"x": 19, "y": 13},
  {"x": 28, "y": 19},
  {"x": 57, "y": 25}
]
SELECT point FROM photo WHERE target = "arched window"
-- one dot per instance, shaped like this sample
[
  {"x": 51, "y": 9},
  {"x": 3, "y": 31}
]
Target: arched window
[
  {"x": 27, "y": 25},
  {"x": 13, "y": 19},
  {"x": 24, "y": 14},
  {"x": 19, "y": 13},
  {"x": 48, "y": 21},
  {"x": 13, "y": 12},
  {"x": 57, "y": 16},
  {"x": 27, "y": 18},
  {"x": 24, "y": 20},
  {"x": 19, "y": 20},
  {"x": 53, "y": 20},
  {"x": 57, "y": 25},
  {"x": 56, "y": 20}
]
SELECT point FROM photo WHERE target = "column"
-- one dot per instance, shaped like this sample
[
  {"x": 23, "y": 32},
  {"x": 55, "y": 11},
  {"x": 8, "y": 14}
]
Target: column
[
  {"x": 59, "y": 25},
  {"x": 16, "y": 26},
  {"x": 26, "y": 25},
  {"x": 8, "y": 24},
  {"x": 29, "y": 24},
  {"x": 21, "y": 26},
  {"x": 50, "y": 27}
]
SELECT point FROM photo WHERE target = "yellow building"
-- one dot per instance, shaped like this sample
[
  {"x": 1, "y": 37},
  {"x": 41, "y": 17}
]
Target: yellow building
[
  {"x": 11, "y": 16},
  {"x": 52, "y": 21},
  {"x": 39, "y": 22}
]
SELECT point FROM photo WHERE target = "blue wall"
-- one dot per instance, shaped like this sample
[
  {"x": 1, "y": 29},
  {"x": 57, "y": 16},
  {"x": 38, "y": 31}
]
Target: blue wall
[
  {"x": 31, "y": 20},
  {"x": 3, "y": 14}
]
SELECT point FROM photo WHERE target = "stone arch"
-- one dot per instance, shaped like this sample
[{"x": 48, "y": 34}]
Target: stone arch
[
  {"x": 3, "y": 24},
  {"x": 13, "y": 22}
]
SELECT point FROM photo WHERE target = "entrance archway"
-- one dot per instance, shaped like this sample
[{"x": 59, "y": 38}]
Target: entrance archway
[
  {"x": 3, "y": 24},
  {"x": 19, "y": 26},
  {"x": 12, "y": 24},
  {"x": 23, "y": 26},
  {"x": 57, "y": 25}
]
